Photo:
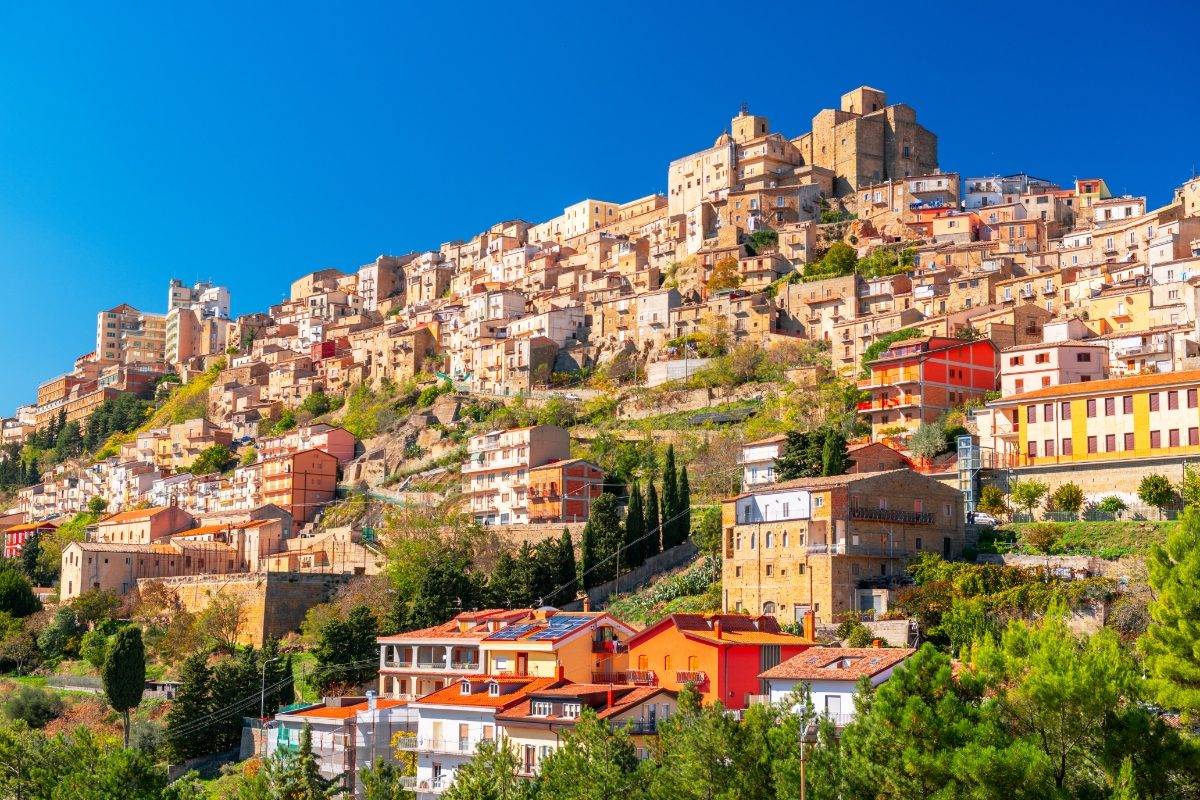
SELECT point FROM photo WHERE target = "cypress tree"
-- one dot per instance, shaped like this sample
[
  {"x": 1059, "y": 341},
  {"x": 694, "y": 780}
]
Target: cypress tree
[
  {"x": 124, "y": 672},
  {"x": 635, "y": 521},
  {"x": 565, "y": 580},
  {"x": 685, "y": 506},
  {"x": 670, "y": 496},
  {"x": 652, "y": 524},
  {"x": 192, "y": 701},
  {"x": 602, "y": 536},
  {"x": 835, "y": 457}
]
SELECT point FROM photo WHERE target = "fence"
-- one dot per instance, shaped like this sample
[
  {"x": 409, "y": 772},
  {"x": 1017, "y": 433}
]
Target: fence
[{"x": 1139, "y": 513}]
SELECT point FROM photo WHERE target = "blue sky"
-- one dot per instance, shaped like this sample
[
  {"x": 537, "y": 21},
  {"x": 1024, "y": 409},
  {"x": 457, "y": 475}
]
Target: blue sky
[{"x": 250, "y": 143}]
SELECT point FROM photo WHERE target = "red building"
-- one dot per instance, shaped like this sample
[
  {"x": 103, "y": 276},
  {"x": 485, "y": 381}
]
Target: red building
[
  {"x": 16, "y": 536},
  {"x": 720, "y": 654},
  {"x": 563, "y": 491},
  {"x": 917, "y": 380}
]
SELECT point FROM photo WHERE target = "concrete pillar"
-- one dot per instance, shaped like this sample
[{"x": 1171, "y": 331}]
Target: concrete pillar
[{"x": 449, "y": 652}]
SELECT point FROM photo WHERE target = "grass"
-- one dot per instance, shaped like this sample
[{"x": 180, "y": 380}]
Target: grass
[
  {"x": 695, "y": 590},
  {"x": 681, "y": 420},
  {"x": 1108, "y": 540}
]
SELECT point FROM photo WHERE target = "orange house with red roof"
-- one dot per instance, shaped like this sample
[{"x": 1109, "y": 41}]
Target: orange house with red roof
[
  {"x": 720, "y": 654},
  {"x": 16, "y": 536}
]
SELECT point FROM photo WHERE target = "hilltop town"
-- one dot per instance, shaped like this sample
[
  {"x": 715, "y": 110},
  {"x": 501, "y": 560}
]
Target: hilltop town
[{"x": 819, "y": 363}]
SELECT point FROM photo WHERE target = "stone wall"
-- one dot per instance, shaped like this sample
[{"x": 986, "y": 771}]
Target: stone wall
[
  {"x": 1101, "y": 478},
  {"x": 275, "y": 602},
  {"x": 636, "y": 579}
]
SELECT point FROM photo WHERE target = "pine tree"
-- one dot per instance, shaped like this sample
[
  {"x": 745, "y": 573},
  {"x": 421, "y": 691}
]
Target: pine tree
[
  {"x": 595, "y": 759},
  {"x": 1170, "y": 643},
  {"x": 685, "y": 506},
  {"x": 652, "y": 525},
  {"x": 635, "y": 520},
  {"x": 298, "y": 777},
  {"x": 490, "y": 775},
  {"x": 502, "y": 582},
  {"x": 124, "y": 672},
  {"x": 670, "y": 499},
  {"x": 525, "y": 583},
  {"x": 193, "y": 701}
]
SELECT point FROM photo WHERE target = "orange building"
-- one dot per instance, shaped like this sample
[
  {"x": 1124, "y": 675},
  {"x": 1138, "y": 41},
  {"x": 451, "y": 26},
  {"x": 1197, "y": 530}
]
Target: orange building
[
  {"x": 720, "y": 654},
  {"x": 300, "y": 483},
  {"x": 563, "y": 491}
]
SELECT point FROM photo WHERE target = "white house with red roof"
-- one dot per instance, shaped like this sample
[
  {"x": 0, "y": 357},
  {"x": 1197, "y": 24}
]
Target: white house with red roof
[{"x": 831, "y": 675}]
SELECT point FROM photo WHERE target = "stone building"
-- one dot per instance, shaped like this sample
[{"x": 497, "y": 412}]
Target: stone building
[{"x": 836, "y": 544}]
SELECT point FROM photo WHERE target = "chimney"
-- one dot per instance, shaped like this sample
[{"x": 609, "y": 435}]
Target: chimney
[
  {"x": 810, "y": 626},
  {"x": 587, "y": 603},
  {"x": 877, "y": 643},
  {"x": 371, "y": 700},
  {"x": 610, "y": 696},
  {"x": 717, "y": 627},
  {"x": 560, "y": 674}
]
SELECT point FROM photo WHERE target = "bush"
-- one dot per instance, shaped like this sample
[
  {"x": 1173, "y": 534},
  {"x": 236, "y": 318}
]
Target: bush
[
  {"x": 1042, "y": 536},
  {"x": 928, "y": 441},
  {"x": 1111, "y": 505},
  {"x": 1067, "y": 497},
  {"x": 33, "y": 706}
]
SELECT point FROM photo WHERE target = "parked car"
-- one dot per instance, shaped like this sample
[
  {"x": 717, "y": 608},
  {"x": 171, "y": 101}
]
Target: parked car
[
  {"x": 573, "y": 396},
  {"x": 986, "y": 520}
]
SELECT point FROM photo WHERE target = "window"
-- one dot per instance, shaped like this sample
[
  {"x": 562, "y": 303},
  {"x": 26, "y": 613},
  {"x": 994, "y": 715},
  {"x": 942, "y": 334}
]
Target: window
[
  {"x": 1064, "y": 411},
  {"x": 1129, "y": 441},
  {"x": 1191, "y": 398},
  {"x": 1049, "y": 445},
  {"x": 918, "y": 542},
  {"x": 1173, "y": 437},
  {"x": 1066, "y": 446},
  {"x": 784, "y": 539},
  {"x": 1091, "y": 407},
  {"x": 1172, "y": 400},
  {"x": 1031, "y": 414},
  {"x": 1110, "y": 406},
  {"x": 1048, "y": 412},
  {"x": 770, "y": 570},
  {"x": 1154, "y": 401},
  {"x": 737, "y": 572},
  {"x": 1033, "y": 449},
  {"x": 1110, "y": 443},
  {"x": 1193, "y": 436},
  {"x": 1127, "y": 404},
  {"x": 541, "y": 708},
  {"x": 1091, "y": 441},
  {"x": 818, "y": 501},
  {"x": 668, "y": 663},
  {"x": 1155, "y": 440}
]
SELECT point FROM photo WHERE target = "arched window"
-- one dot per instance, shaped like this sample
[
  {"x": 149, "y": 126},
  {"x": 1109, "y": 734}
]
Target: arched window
[
  {"x": 770, "y": 540},
  {"x": 784, "y": 540},
  {"x": 752, "y": 541},
  {"x": 768, "y": 607}
]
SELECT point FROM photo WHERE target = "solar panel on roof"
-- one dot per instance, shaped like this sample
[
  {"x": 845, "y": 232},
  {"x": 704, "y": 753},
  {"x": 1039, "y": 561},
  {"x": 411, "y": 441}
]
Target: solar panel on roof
[
  {"x": 513, "y": 632},
  {"x": 561, "y": 629}
]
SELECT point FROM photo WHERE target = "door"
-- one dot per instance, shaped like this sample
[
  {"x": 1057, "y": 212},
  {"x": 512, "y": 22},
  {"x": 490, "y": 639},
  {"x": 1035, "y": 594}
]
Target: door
[
  {"x": 946, "y": 548},
  {"x": 833, "y": 706},
  {"x": 523, "y": 659},
  {"x": 527, "y": 760}
]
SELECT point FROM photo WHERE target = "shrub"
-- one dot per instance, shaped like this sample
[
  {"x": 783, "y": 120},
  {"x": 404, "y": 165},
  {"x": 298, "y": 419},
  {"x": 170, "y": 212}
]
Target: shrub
[
  {"x": 1111, "y": 505},
  {"x": 1042, "y": 536},
  {"x": 33, "y": 705},
  {"x": 928, "y": 441},
  {"x": 1157, "y": 491},
  {"x": 1067, "y": 497}
]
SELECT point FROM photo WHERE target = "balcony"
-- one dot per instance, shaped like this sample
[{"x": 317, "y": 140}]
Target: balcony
[
  {"x": 847, "y": 549},
  {"x": 450, "y": 746},
  {"x": 640, "y": 677},
  {"x": 414, "y": 784},
  {"x": 891, "y": 515},
  {"x": 609, "y": 647},
  {"x": 694, "y": 677},
  {"x": 643, "y": 727}
]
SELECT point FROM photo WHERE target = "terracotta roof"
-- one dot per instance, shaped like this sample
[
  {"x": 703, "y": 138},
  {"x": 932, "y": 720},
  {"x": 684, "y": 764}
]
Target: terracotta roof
[
  {"x": 779, "y": 437},
  {"x": 1133, "y": 382},
  {"x": 737, "y": 629},
  {"x": 625, "y": 697},
  {"x": 477, "y": 626},
  {"x": 343, "y": 712},
  {"x": 32, "y": 526},
  {"x": 830, "y": 482},
  {"x": 821, "y": 663},
  {"x": 1061, "y": 343},
  {"x": 452, "y": 695},
  {"x": 132, "y": 516}
]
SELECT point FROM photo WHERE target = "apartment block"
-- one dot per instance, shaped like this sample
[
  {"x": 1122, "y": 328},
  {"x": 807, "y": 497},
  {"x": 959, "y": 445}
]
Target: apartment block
[
  {"x": 496, "y": 474},
  {"x": 300, "y": 483}
]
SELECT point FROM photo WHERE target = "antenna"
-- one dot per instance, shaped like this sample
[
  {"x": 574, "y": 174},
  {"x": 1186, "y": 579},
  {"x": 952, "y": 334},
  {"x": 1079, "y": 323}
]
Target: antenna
[{"x": 745, "y": 108}]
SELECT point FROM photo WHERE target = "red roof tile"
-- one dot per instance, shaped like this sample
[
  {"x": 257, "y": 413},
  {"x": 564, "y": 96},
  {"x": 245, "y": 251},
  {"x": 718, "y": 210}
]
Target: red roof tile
[{"x": 818, "y": 663}]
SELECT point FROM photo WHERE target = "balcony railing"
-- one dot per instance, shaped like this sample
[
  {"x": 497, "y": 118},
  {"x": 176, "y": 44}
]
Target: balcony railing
[
  {"x": 642, "y": 677},
  {"x": 696, "y": 677},
  {"x": 414, "y": 784},
  {"x": 891, "y": 515},
  {"x": 453, "y": 745},
  {"x": 643, "y": 727},
  {"x": 609, "y": 647},
  {"x": 847, "y": 549}
]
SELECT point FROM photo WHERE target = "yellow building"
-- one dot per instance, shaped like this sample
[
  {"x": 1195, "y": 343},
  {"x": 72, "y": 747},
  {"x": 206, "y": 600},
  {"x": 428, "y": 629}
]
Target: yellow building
[
  {"x": 1120, "y": 308},
  {"x": 1141, "y": 416},
  {"x": 584, "y": 645}
]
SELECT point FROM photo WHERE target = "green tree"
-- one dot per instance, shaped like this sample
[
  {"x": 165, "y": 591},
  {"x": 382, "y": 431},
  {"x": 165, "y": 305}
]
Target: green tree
[
  {"x": 926, "y": 733},
  {"x": 1058, "y": 690},
  {"x": 317, "y": 403},
  {"x": 61, "y": 636},
  {"x": 298, "y": 776},
  {"x": 381, "y": 781},
  {"x": 684, "y": 505},
  {"x": 193, "y": 702},
  {"x": 491, "y": 774},
  {"x": 1157, "y": 491},
  {"x": 124, "y": 673},
  {"x": 1189, "y": 487},
  {"x": 635, "y": 521},
  {"x": 1028, "y": 494},
  {"x": 840, "y": 259},
  {"x": 30, "y": 555},
  {"x": 653, "y": 525},
  {"x": 95, "y": 606},
  {"x": 222, "y": 620},
  {"x": 706, "y": 530},
  {"x": 97, "y": 504},
  {"x": 16, "y": 594},
  {"x": 1111, "y": 505},
  {"x": 835, "y": 456},
  {"x": 565, "y": 571},
  {"x": 1171, "y": 645},
  {"x": 602, "y": 536},
  {"x": 443, "y": 589},
  {"x": 594, "y": 760},
  {"x": 1067, "y": 497},
  {"x": 991, "y": 501},
  {"x": 880, "y": 346},
  {"x": 670, "y": 500},
  {"x": 700, "y": 754},
  {"x": 33, "y": 705},
  {"x": 347, "y": 653},
  {"x": 929, "y": 440},
  {"x": 213, "y": 459}
]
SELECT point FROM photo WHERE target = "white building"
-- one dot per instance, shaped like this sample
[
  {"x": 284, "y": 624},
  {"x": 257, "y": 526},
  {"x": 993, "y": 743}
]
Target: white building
[
  {"x": 831, "y": 675},
  {"x": 758, "y": 461}
]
